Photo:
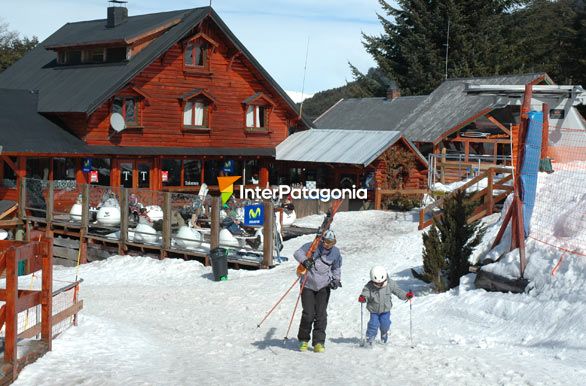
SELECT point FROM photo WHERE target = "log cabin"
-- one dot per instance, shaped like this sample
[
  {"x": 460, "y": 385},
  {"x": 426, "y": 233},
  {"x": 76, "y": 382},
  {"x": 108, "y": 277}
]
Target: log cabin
[{"x": 163, "y": 101}]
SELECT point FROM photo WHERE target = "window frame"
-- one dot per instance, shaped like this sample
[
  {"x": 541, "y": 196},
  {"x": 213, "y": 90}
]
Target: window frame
[
  {"x": 207, "y": 46},
  {"x": 206, "y": 119}
]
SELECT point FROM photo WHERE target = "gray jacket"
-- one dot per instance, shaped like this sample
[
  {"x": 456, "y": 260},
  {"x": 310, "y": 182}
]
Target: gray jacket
[
  {"x": 328, "y": 264},
  {"x": 378, "y": 300}
]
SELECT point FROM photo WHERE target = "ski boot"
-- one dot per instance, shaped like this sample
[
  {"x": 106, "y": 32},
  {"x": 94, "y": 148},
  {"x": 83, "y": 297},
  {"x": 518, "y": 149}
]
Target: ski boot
[
  {"x": 369, "y": 342},
  {"x": 303, "y": 346},
  {"x": 384, "y": 338},
  {"x": 319, "y": 347}
]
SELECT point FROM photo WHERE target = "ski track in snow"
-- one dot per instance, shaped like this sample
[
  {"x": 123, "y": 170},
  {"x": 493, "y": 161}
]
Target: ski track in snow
[{"x": 150, "y": 322}]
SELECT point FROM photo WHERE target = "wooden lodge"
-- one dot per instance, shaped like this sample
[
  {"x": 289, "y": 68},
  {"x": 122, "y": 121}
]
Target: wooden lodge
[{"x": 194, "y": 104}]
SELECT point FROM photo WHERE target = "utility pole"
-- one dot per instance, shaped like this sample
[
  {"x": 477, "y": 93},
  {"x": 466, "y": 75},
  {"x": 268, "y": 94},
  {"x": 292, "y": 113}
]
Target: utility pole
[{"x": 447, "y": 47}]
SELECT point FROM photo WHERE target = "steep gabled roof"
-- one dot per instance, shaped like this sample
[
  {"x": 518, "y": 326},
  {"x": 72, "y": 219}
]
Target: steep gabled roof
[
  {"x": 85, "y": 87},
  {"x": 449, "y": 107},
  {"x": 368, "y": 113}
]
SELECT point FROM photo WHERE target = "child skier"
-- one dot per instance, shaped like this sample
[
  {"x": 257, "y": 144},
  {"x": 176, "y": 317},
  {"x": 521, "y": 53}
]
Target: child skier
[{"x": 377, "y": 296}]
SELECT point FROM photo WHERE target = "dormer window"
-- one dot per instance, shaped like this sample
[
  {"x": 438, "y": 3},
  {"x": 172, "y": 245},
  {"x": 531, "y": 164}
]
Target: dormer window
[
  {"x": 256, "y": 116},
  {"x": 197, "y": 53},
  {"x": 94, "y": 55},
  {"x": 197, "y": 106},
  {"x": 128, "y": 107},
  {"x": 258, "y": 109},
  {"x": 196, "y": 114}
]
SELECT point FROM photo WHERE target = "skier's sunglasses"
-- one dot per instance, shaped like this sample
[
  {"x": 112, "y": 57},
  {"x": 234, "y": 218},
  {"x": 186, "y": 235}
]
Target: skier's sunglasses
[{"x": 328, "y": 244}]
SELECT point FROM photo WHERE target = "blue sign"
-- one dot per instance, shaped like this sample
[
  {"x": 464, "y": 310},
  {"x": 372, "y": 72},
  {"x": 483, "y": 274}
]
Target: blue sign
[
  {"x": 228, "y": 167},
  {"x": 254, "y": 215},
  {"x": 86, "y": 165}
]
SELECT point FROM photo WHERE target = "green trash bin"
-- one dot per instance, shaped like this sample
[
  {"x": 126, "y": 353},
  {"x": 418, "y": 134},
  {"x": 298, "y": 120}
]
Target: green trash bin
[
  {"x": 21, "y": 268},
  {"x": 219, "y": 257}
]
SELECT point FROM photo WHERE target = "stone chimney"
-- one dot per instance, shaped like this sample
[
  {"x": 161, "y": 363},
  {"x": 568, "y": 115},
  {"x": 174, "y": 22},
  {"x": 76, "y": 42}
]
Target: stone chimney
[
  {"x": 393, "y": 91},
  {"x": 117, "y": 15}
]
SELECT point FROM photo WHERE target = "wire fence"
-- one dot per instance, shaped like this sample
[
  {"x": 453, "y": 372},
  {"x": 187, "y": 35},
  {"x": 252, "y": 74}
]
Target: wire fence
[{"x": 559, "y": 215}]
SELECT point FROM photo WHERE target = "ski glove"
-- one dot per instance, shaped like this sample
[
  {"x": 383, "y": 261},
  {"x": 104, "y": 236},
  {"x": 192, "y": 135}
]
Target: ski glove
[
  {"x": 362, "y": 299},
  {"x": 335, "y": 284},
  {"x": 409, "y": 295},
  {"x": 308, "y": 264}
]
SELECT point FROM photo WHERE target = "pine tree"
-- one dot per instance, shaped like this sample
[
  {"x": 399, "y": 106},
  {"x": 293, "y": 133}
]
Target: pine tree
[
  {"x": 412, "y": 48},
  {"x": 449, "y": 243},
  {"x": 12, "y": 47}
]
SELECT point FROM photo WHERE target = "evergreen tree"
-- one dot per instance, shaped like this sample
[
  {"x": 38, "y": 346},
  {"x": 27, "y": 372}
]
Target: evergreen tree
[
  {"x": 12, "y": 47},
  {"x": 449, "y": 243},
  {"x": 412, "y": 48}
]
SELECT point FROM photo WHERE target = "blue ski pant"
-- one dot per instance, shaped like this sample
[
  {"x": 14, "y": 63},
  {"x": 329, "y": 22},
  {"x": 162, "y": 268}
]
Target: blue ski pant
[{"x": 380, "y": 321}]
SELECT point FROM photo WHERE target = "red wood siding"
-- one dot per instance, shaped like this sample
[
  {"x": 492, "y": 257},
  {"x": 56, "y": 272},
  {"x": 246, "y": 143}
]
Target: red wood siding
[
  {"x": 417, "y": 176},
  {"x": 165, "y": 81}
]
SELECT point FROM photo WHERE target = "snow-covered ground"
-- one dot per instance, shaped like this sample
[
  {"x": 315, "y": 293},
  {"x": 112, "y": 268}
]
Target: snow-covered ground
[{"x": 153, "y": 322}]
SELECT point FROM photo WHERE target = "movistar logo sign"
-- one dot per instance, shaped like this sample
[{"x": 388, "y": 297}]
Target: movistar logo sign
[
  {"x": 226, "y": 185},
  {"x": 254, "y": 213}
]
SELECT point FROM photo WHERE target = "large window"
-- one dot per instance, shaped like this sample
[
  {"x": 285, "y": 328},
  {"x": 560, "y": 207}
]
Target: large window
[
  {"x": 102, "y": 166},
  {"x": 63, "y": 169},
  {"x": 172, "y": 169},
  {"x": 38, "y": 168},
  {"x": 128, "y": 107},
  {"x": 192, "y": 172}
]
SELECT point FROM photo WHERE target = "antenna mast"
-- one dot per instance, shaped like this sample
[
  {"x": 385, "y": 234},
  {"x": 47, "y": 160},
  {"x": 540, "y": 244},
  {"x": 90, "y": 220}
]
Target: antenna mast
[
  {"x": 303, "y": 84},
  {"x": 447, "y": 47}
]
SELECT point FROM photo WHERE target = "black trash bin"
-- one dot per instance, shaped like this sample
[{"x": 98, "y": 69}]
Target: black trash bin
[{"x": 219, "y": 258}]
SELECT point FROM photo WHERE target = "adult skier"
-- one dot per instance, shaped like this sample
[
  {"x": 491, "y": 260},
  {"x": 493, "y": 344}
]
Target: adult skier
[{"x": 322, "y": 274}]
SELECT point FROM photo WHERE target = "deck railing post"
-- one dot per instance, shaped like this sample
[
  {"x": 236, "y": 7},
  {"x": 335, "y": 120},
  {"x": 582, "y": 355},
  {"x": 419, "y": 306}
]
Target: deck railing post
[
  {"x": 22, "y": 199},
  {"x": 50, "y": 204},
  {"x": 215, "y": 226},
  {"x": 10, "y": 349},
  {"x": 268, "y": 234},
  {"x": 167, "y": 214},
  {"x": 122, "y": 248},
  {"x": 489, "y": 197}
]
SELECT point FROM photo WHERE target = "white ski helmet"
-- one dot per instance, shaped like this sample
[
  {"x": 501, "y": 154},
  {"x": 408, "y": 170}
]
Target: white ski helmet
[
  {"x": 378, "y": 274},
  {"x": 329, "y": 235}
]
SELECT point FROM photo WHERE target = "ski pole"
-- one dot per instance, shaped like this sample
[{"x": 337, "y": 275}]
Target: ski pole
[
  {"x": 277, "y": 303},
  {"x": 411, "y": 322},
  {"x": 296, "y": 304},
  {"x": 362, "y": 324}
]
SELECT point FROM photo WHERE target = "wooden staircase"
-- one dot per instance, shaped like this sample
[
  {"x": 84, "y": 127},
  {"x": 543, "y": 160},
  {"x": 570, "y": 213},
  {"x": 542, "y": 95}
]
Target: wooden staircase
[{"x": 495, "y": 192}]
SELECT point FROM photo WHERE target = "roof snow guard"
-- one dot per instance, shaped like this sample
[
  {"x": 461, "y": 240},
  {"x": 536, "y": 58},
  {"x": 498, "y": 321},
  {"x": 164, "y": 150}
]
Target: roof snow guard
[{"x": 355, "y": 147}]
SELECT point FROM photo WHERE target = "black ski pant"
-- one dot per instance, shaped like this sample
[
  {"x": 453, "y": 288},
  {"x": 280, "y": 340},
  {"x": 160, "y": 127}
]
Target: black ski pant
[{"x": 315, "y": 305}]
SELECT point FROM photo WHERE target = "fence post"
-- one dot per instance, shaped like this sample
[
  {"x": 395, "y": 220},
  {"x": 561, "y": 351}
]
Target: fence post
[
  {"x": 489, "y": 197},
  {"x": 215, "y": 226},
  {"x": 421, "y": 218},
  {"x": 268, "y": 234},
  {"x": 377, "y": 198},
  {"x": 47, "y": 292},
  {"x": 10, "y": 350},
  {"x": 167, "y": 221},
  {"x": 122, "y": 248}
]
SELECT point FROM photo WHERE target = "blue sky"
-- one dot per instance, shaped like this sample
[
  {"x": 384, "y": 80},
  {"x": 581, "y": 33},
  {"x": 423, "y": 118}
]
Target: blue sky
[{"x": 275, "y": 31}]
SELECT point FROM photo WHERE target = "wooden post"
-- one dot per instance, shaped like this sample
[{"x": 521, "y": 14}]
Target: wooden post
[
  {"x": 10, "y": 350},
  {"x": 545, "y": 132},
  {"x": 263, "y": 177},
  {"x": 442, "y": 167},
  {"x": 377, "y": 198},
  {"x": 421, "y": 218},
  {"x": 466, "y": 151},
  {"x": 122, "y": 248},
  {"x": 167, "y": 214},
  {"x": 22, "y": 199},
  {"x": 268, "y": 234},
  {"x": 50, "y": 204},
  {"x": 47, "y": 293},
  {"x": 85, "y": 220},
  {"x": 489, "y": 197},
  {"x": 215, "y": 226}
]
